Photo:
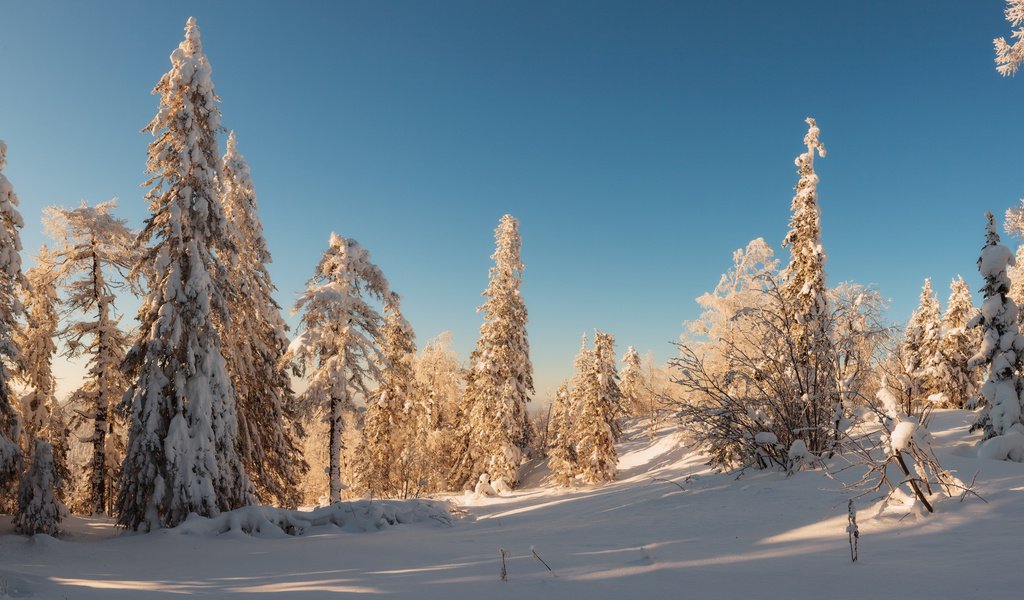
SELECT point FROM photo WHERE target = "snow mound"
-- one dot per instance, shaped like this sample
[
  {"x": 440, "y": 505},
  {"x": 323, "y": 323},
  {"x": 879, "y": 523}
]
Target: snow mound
[
  {"x": 1009, "y": 446},
  {"x": 358, "y": 516}
]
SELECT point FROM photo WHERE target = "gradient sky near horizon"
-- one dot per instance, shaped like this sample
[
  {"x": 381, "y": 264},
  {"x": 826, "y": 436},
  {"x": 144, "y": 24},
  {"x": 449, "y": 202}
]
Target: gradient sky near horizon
[{"x": 638, "y": 143}]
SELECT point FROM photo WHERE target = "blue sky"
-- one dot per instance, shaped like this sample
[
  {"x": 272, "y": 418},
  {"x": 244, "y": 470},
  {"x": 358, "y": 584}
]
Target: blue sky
[{"x": 639, "y": 143}]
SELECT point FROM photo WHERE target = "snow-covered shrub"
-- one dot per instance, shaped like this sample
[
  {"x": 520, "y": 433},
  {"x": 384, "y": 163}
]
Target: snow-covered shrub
[{"x": 896, "y": 450}]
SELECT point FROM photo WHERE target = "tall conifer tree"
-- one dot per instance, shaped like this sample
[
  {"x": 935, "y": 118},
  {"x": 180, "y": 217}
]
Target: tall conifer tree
[
  {"x": 957, "y": 382},
  {"x": 1002, "y": 346},
  {"x": 922, "y": 343},
  {"x": 341, "y": 329},
  {"x": 41, "y": 417},
  {"x": 500, "y": 380},
  {"x": 182, "y": 452},
  {"x": 94, "y": 249},
  {"x": 255, "y": 341},
  {"x": 11, "y": 280},
  {"x": 805, "y": 299},
  {"x": 386, "y": 455}
]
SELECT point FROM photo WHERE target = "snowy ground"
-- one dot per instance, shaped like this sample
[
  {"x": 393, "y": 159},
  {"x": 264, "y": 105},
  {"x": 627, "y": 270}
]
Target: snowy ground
[{"x": 761, "y": 536}]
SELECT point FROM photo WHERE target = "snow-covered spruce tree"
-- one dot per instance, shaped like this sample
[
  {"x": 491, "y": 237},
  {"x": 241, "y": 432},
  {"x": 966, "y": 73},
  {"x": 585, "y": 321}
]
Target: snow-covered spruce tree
[
  {"x": 595, "y": 404},
  {"x": 805, "y": 302},
  {"x": 922, "y": 342},
  {"x": 11, "y": 280},
  {"x": 387, "y": 456},
  {"x": 41, "y": 417},
  {"x": 182, "y": 451},
  {"x": 634, "y": 389},
  {"x": 39, "y": 510},
  {"x": 955, "y": 380},
  {"x": 339, "y": 340},
  {"x": 500, "y": 379},
  {"x": 1010, "y": 56},
  {"x": 1002, "y": 347},
  {"x": 94, "y": 250},
  {"x": 255, "y": 340},
  {"x": 561, "y": 449},
  {"x": 438, "y": 411}
]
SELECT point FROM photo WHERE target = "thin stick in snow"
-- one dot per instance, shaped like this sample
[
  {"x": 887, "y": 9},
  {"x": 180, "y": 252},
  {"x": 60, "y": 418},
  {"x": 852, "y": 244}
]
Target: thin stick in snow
[
  {"x": 537, "y": 556},
  {"x": 504, "y": 570},
  {"x": 852, "y": 530},
  {"x": 653, "y": 479}
]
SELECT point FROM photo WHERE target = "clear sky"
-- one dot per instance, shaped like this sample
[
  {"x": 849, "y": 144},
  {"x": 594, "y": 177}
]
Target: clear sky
[{"x": 638, "y": 143}]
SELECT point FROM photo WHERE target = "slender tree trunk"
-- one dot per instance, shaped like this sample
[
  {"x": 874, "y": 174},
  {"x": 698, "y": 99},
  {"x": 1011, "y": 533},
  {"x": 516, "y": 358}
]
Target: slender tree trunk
[
  {"x": 336, "y": 426},
  {"x": 101, "y": 410}
]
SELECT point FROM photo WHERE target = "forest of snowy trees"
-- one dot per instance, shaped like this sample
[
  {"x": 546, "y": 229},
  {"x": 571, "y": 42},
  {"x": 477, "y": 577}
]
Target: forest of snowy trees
[{"x": 192, "y": 408}]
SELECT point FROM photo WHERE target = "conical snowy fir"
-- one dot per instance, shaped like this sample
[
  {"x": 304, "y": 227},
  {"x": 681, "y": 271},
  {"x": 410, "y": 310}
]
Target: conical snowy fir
[
  {"x": 1001, "y": 353},
  {"x": 255, "y": 342},
  {"x": 633, "y": 387},
  {"x": 805, "y": 297},
  {"x": 41, "y": 415},
  {"x": 11, "y": 279},
  {"x": 500, "y": 380},
  {"x": 920, "y": 349},
  {"x": 561, "y": 445},
  {"x": 384, "y": 457},
  {"x": 597, "y": 401},
  {"x": 182, "y": 455},
  {"x": 957, "y": 382}
]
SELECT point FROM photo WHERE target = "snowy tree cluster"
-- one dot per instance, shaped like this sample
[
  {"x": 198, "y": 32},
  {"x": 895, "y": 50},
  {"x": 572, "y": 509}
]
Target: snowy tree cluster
[
  {"x": 193, "y": 411},
  {"x": 779, "y": 367},
  {"x": 584, "y": 426},
  {"x": 931, "y": 363}
]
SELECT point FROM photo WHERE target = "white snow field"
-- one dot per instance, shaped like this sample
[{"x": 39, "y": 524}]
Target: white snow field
[{"x": 668, "y": 527}]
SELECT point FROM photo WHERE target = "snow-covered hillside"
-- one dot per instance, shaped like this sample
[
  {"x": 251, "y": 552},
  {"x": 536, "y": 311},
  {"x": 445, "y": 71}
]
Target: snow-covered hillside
[{"x": 667, "y": 527}]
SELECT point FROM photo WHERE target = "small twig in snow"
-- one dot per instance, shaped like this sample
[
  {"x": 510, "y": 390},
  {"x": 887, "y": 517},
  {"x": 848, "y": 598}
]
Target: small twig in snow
[
  {"x": 653, "y": 479},
  {"x": 852, "y": 530},
  {"x": 537, "y": 556}
]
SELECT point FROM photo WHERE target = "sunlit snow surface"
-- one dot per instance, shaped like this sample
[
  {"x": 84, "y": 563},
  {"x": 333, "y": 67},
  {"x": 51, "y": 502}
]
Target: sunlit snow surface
[{"x": 667, "y": 526}]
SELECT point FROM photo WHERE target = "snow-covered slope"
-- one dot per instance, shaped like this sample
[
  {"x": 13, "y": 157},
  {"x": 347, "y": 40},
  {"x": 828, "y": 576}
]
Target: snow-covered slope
[{"x": 666, "y": 526}]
